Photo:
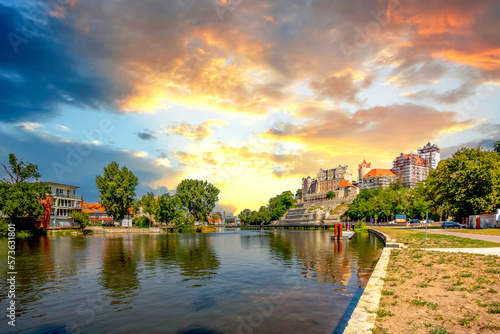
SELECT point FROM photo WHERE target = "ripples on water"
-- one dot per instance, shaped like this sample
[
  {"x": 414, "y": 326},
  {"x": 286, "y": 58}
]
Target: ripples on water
[{"x": 229, "y": 282}]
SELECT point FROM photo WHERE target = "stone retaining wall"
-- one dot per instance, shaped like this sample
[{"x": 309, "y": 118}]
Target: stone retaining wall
[
  {"x": 364, "y": 316},
  {"x": 100, "y": 229},
  {"x": 387, "y": 240}
]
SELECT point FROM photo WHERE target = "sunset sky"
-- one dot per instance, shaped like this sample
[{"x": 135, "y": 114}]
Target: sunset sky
[{"x": 250, "y": 95}]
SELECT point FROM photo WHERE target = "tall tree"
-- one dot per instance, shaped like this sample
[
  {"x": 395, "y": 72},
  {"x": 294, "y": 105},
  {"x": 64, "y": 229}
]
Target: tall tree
[
  {"x": 19, "y": 196},
  {"x": 117, "y": 189},
  {"x": 197, "y": 198},
  {"x": 167, "y": 208},
  {"x": 467, "y": 183}
]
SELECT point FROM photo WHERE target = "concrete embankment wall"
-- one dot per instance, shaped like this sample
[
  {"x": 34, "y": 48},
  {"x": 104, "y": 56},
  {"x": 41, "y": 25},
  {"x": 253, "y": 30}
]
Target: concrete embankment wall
[{"x": 100, "y": 229}]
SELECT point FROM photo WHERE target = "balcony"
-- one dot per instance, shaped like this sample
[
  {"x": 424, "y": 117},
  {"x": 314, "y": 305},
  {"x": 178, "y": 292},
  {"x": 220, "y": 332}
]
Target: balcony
[{"x": 64, "y": 195}]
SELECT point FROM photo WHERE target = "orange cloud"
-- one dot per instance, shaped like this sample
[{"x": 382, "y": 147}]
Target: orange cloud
[{"x": 196, "y": 132}]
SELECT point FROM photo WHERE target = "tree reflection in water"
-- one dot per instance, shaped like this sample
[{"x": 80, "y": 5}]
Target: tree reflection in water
[{"x": 119, "y": 270}]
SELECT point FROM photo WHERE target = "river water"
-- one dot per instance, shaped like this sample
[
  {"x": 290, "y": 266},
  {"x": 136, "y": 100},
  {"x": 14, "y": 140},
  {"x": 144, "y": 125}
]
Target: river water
[{"x": 228, "y": 282}]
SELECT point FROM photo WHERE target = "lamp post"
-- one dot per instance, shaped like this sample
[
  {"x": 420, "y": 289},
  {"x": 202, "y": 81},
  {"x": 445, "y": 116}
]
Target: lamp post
[{"x": 426, "y": 222}]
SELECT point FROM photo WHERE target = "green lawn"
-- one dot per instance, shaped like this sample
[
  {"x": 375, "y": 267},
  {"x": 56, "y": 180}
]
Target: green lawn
[{"x": 414, "y": 239}]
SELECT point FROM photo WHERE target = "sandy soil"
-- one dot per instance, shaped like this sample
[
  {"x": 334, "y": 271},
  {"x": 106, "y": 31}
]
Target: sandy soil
[{"x": 437, "y": 292}]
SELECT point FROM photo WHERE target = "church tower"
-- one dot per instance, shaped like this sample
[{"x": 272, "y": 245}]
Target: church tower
[{"x": 363, "y": 169}]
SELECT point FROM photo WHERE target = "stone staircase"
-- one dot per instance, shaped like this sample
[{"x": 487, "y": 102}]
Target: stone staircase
[{"x": 299, "y": 216}]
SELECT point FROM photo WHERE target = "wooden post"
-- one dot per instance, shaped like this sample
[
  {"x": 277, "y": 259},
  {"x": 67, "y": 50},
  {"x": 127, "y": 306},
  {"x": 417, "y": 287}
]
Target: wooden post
[{"x": 337, "y": 232}]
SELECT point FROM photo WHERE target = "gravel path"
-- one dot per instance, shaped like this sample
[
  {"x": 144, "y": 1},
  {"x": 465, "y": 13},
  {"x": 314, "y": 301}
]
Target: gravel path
[{"x": 493, "y": 238}]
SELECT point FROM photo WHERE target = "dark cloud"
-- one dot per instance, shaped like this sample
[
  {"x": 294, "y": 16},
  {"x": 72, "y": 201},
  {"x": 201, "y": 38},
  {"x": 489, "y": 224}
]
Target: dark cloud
[
  {"x": 61, "y": 162},
  {"x": 43, "y": 68},
  {"x": 146, "y": 136}
]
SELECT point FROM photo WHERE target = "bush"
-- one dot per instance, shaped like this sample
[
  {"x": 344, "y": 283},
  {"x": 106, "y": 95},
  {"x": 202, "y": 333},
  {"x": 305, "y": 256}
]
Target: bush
[
  {"x": 4, "y": 227},
  {"x": 141, "y": 221},
  {"x": 360, "y": 227}
]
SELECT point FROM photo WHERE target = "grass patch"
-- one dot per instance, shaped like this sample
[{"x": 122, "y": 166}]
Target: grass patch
[
  {"x": 415, "y": 239},
  {"x": 439, "y": 330},
  {"x": 387, "y": 292}
]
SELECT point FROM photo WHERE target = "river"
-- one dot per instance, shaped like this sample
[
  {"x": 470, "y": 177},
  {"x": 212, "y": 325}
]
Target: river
[{"x": 228, "y": 282}]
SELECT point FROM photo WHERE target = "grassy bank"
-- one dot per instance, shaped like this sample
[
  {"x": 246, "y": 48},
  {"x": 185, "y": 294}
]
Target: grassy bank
[
  {"x": 414, "y": 239},
  {"x": 438, "y": 292}
]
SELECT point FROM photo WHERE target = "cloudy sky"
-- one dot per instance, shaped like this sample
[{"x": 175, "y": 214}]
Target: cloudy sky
[{"x": 250, "y": 95}]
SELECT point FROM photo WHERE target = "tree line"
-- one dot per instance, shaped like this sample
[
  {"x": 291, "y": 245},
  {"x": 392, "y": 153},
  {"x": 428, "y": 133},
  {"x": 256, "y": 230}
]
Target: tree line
[
  {"x": 21, "y": 194},
  {"x": 275, "y": 209},
  {"x": 468, "y": 183}
]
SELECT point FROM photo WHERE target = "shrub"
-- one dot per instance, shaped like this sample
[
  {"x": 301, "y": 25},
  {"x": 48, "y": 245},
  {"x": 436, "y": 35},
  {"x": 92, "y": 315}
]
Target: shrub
[
  {"x": 4, "y": 227},
  {"x": 141, "y": 221}
]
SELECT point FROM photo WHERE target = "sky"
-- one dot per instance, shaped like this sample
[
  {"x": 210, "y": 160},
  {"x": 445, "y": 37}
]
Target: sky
[{"x": 248, "y": 95}]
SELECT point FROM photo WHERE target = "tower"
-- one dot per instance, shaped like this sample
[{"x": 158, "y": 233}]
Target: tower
[
  {"x": 363, "y": 169},
  {"x": 430, "y": 155}
]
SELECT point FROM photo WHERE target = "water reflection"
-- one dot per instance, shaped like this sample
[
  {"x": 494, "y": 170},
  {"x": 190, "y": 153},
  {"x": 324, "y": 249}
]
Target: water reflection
[
  {"x": 119, "y": 271},
  {"x": 262, "y": 281}
]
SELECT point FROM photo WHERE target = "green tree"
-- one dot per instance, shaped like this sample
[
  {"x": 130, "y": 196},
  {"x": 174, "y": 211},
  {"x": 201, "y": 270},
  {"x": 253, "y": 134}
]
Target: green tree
[
  {"x": 330, "y": 195},
  {"x": 197, "y": 197},
  {"x": 167, "y": 209},
  {"x": 298, "y": 193},
  {"x": 280, "y": 204},
  {"x": 117, "y": 189},
  {"x": 245, "y": 216},
  {"x": 467, "y": 183},
  {"x": 81, "y": 218},
  {"x": 496, "y": 147},
  {"x": 146, "y": 205},
  {"x": 19, "y": 196}
]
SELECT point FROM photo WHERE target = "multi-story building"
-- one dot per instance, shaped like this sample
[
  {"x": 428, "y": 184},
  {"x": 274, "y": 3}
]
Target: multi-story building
[
  {"x": 377, "y": 177},
  {"x": 430, "y": 155},
  {"x": 59, "y": 204},
  {"x": 410, "y": 169},
  {"x": 327, "y": 180}
]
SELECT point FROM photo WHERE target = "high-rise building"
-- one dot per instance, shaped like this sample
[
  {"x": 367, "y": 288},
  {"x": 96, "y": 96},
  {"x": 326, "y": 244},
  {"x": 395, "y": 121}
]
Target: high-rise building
[
  {"x": 410, "y": 169},
  {"x": 430, "y": 155}
]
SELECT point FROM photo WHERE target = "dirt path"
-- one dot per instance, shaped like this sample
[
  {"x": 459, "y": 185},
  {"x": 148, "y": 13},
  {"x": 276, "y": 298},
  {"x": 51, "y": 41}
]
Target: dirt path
[{"x": 493, "y": 238}]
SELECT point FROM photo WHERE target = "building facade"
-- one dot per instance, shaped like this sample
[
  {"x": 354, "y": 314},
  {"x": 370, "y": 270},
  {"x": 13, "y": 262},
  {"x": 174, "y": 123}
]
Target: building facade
[
  {"x": 98, "y": 215},
  {"x": 377, "y": 178},
  {"x": 59, "y": 204},
  {"x": 410, "y": 169},
  {"x": 430, "y": 155},
  {"x": 327, "y": 180},
  {"x": 363, "y": 169}
]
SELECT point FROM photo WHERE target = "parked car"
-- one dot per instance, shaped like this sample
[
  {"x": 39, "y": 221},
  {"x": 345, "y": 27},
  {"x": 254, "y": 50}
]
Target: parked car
[
  {"x": 430, "y": 221},
  {"x": 392, "y": 222},
  {"x": 450, "y": 225},
  {"x": 414, "y": 221}
]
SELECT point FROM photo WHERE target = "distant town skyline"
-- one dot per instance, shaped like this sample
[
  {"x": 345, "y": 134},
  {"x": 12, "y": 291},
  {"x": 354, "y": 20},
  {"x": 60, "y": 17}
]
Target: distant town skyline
[{"x": 251, "y": 96}]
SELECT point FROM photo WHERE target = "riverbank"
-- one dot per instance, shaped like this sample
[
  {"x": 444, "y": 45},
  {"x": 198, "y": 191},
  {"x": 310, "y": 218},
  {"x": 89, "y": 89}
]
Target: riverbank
[
  {"x": 439, "y": 292},
  {"x": 436, "y": 291}
]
